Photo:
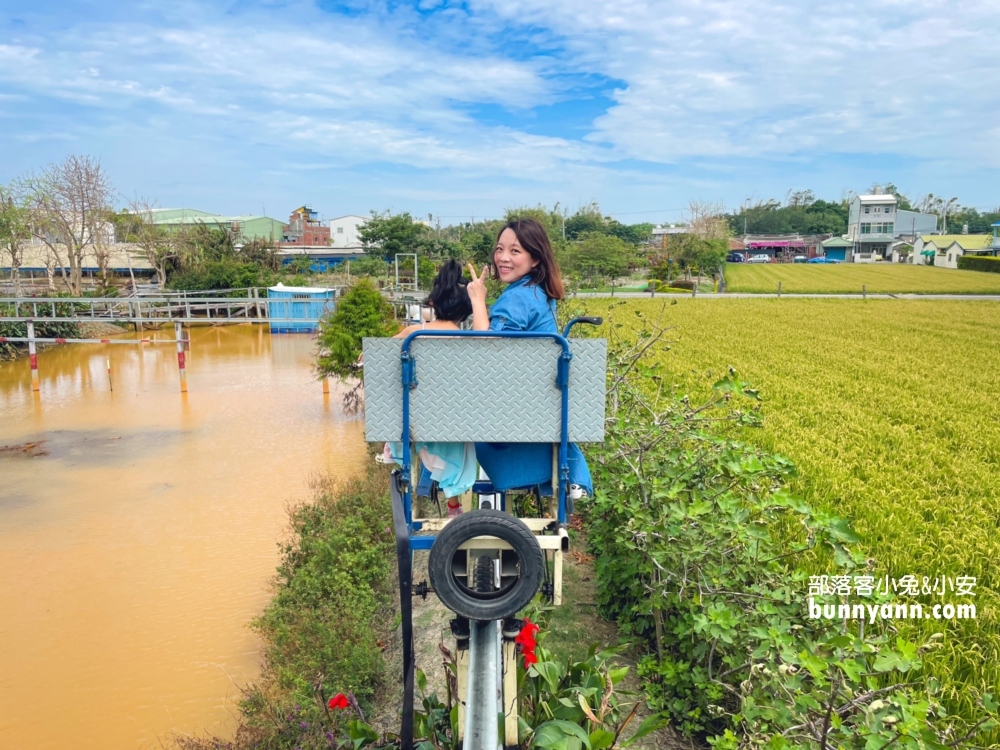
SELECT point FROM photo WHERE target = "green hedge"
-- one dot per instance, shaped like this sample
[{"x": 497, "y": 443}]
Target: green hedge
[{"x": 979, "y": 263}]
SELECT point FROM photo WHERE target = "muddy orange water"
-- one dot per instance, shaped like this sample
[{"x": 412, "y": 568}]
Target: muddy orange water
[{"x": 138, "y": 534}]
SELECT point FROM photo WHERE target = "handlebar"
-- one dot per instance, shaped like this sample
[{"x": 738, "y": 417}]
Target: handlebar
[{"x": 589, "y": 320}]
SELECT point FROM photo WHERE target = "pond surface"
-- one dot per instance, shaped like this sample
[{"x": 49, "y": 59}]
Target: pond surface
[{"x": 139, "y": 529}]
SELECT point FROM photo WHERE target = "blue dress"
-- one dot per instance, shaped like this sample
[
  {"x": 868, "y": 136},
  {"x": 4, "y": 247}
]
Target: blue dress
[{"x": 524, "y": 306}]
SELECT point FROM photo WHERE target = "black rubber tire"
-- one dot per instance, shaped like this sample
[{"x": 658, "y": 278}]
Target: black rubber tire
[
  {"x": 462, "y": 600},
  {"x": 484, "y": 575}
]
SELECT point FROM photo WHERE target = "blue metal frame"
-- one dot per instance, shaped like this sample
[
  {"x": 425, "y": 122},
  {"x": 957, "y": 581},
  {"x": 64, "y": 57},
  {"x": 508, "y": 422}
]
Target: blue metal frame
[{"x": 409, "y": 370}]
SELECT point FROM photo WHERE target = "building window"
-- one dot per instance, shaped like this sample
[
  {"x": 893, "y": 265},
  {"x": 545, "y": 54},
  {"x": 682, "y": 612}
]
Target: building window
[
  {"x": 340, "y": 230},
  {"x": 868, "y": 209},
  {"x": 866, "y": 228},
  {"x": 888, "y": 209}
]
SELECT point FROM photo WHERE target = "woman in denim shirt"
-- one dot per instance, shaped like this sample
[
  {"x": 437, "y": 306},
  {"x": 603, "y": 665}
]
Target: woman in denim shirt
[{"x": 523, "y": 259}]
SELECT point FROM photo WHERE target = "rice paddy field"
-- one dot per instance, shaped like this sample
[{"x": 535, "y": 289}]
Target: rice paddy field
[
  {"x": 890, "y": 410},
  {"x": 848, "y": 278}
]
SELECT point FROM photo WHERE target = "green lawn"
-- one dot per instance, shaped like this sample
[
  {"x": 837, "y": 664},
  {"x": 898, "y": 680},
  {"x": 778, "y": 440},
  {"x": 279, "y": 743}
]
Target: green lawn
[
  {"x": 889, "y": 411},
  {"x": 848, "y": 278}
]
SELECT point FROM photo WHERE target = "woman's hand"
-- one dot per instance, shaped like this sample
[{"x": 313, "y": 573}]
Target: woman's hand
[
  {"x": 477, "y": 287},
  {"x": 477, "y": 296}
]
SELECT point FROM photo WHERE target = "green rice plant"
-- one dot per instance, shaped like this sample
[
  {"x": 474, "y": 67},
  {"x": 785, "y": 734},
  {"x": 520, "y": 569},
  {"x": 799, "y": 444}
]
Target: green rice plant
[
  {"x": 850, "y": 278},
  {"x": 887, "y": 409}
]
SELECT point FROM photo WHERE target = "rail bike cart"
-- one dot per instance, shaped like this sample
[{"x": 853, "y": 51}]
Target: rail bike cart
[{"x": 485, "y": 565}]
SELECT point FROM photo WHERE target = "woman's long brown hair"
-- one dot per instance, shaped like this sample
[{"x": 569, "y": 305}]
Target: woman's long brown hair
[{"x": 532, "y": 237}]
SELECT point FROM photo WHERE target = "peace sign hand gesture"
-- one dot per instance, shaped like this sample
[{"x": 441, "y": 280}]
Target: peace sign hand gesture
[{"x": 477, "y": 287}]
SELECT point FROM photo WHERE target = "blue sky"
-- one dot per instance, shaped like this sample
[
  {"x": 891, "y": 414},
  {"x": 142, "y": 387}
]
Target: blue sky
[{"x": 461, "y": 109}]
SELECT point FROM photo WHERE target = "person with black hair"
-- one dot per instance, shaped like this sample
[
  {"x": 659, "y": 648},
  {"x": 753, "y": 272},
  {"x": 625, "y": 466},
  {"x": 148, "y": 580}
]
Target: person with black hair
[
  {"x": 449, "y": 298},
  {"x": 450, "y": 301}
]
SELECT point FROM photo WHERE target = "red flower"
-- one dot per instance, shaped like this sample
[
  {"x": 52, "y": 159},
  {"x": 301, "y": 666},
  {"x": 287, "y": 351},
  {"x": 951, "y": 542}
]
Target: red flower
[
  {"x": 340, "y": 701},
  {"x": 526, "y": 640}
]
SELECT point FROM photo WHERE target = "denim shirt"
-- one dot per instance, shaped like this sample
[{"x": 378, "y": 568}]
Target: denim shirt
[{"x": 523, "y": 306}]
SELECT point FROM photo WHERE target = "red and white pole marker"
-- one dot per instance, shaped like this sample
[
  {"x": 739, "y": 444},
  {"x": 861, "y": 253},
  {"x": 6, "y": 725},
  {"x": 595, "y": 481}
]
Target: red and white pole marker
[
  {"x": 33, "y": 357},
  {"x": 181, "y": 363}
]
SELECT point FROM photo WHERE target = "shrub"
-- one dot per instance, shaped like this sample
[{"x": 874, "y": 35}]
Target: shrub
[
  {"x": 688, "y": 284},
  {"x": 9, "y": 350},
  {"x": 361, "y": 312},
  {"x": 222, "y": 274},
  {"x": 979, "y": 263}
]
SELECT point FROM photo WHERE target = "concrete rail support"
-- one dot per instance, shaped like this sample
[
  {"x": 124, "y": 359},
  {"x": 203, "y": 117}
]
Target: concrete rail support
[
  {"x": 181, "y": 357},
  {"x": 33, "y": 357}
]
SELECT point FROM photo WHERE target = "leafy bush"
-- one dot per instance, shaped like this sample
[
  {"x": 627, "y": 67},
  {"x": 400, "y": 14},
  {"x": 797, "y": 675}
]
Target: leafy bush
[
  {"x": 688, "y": 284},
  {"x": 979, "y": 263},
  {"x": 361, "y": 312},
  {"x": 222, "y": 274},
  {"x": 9, "y": 350},
  {"x": 701, "y": 551}
]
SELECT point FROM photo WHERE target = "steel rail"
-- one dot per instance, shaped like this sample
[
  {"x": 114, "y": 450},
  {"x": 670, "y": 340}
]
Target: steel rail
[{"x": 483, "y": 703}]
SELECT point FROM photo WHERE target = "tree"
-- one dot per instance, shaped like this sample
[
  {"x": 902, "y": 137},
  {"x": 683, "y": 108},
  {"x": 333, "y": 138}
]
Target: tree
[
  {"x": 552, "y": 221},
  {"x": 15, "y": 230},
  {"x": 634, "y": 234},
  {"x": 71, "y": 203},
  {"x": 800, "y": 198},
  {"x": 597, "y": 256},
  {"x": 361, "y": 312},
  {"x": 385, "y": 235},
  {"x": 477, "y": 245},
  {"x": 587, "y": 219},
  {"x": 803, "y": 214},
  {"x": 159, "y": 246}
]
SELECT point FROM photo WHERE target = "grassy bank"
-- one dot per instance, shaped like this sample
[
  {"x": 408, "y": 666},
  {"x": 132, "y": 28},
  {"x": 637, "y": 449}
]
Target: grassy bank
[
  {"x": 880, "y": 406},
  {"x": 848, "y": 278}
]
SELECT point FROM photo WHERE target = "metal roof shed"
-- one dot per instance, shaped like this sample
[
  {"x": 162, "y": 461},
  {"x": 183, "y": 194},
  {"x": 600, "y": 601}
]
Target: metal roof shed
[{"x": 297, "y": 309}]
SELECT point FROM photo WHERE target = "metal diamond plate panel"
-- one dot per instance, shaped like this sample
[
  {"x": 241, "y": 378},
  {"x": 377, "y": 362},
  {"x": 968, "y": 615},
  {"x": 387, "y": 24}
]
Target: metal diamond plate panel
[{"x": 482, "y": 389}]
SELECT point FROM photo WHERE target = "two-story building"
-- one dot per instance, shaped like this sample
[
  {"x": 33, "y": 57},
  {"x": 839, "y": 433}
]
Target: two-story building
[
  {"x": 344, "y": 231},
  {"x": 875, "y": 221}
]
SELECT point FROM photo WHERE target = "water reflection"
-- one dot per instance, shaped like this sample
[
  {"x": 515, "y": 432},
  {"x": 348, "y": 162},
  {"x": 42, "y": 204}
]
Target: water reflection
[{"x": 138, "y": 532}]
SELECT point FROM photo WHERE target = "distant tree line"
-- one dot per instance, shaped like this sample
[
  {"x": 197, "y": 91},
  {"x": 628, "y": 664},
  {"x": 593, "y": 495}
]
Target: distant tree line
[
  {"x": 803, "y": 213},
  {"x": 590, "y": 247}
]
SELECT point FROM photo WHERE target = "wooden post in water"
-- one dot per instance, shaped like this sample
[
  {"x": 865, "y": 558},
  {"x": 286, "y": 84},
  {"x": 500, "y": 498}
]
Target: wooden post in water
[
  {"x": 326, "y": 386},
  {"x": 33, "y": 357},
  {"x": 111, "y": 385},
  {"x": 181, "y": 363}
]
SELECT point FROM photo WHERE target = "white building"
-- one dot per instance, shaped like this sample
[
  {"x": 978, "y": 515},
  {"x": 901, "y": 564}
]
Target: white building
[
  {"x": 874, "y": 223},
  {"x": 948, "y": 248},
  {"x": 344, "y": 231}
]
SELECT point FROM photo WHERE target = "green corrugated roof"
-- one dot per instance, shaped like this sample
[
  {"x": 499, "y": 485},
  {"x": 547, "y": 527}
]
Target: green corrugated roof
[
  {"x": 965, "y": 241},
  {"x": 836, "y": 242}
]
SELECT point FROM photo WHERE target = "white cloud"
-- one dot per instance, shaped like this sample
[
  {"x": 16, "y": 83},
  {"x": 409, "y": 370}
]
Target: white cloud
[
  {"x": 704, "y": 83},
  {"x": 755, "y": 78}
]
